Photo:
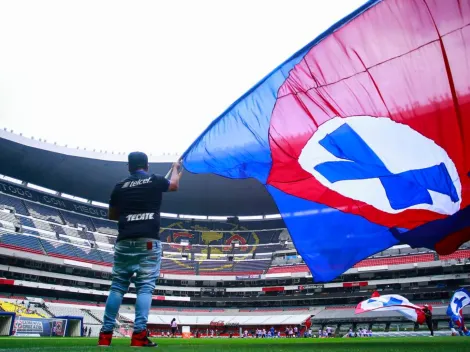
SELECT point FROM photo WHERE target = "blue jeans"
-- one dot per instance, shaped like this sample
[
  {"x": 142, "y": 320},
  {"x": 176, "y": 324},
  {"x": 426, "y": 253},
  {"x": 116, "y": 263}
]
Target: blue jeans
[{"x": 133, "y": 256}]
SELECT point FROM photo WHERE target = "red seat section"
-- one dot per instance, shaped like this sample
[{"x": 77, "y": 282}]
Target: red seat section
[
  {"x": 405, "y": 259},
  {"x": 462, "y": 254}
]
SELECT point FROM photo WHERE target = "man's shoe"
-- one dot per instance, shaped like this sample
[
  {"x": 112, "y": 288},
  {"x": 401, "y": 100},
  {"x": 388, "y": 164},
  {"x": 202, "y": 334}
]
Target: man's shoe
[
  {"x": 105, "y": 338},
  {"x": 140, "y": 339}
]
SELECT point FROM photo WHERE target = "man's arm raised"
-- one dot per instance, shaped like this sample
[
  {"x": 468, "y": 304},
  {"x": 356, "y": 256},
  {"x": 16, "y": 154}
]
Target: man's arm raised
[{"x": 176, "y": 172}]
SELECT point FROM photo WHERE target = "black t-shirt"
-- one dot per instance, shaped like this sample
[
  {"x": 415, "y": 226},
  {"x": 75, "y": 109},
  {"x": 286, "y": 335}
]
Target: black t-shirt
[{"x": 138, "y": 199}]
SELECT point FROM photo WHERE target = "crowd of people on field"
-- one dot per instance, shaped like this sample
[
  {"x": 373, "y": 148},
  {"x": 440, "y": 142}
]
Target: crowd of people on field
[{"x": 360, "y": 332}]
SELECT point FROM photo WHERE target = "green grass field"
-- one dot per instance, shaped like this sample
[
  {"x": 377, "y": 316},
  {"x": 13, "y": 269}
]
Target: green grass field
[{"x": 414, "y": 344}]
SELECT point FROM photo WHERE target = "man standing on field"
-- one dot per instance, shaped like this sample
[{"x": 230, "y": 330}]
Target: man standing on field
[{"x": 135, "y": 204}]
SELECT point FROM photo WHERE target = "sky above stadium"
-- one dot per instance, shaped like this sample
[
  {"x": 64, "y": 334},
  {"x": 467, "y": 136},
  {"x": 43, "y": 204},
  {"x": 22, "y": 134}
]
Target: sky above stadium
[{"x": 142, "y": 75}]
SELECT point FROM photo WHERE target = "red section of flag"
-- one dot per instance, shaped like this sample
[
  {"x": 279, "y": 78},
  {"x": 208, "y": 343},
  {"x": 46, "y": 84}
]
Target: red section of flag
[{"x": 355, "y": 73}]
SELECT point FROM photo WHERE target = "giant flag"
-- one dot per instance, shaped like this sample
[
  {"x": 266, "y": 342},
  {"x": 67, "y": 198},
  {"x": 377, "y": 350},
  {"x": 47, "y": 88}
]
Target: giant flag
[
  {"x": 459, "y": 301},
  {"x": 362, "y": 137},
  {"x": 394, "y": 303}
]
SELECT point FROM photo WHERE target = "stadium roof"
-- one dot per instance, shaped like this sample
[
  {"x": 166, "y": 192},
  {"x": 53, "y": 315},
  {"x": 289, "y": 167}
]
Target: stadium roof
[{"x": 92, "y": 175}]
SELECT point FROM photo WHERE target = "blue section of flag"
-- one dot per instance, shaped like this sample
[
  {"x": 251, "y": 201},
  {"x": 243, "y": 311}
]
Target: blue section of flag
[
  {"x": 329, "y": 240},
  {"x": 236, "y": 144},
  {"x": 457, "y": 302},
  {"x": 430, "y": 233},
  {"x": 393, "y": 302},
  {"x": 403, "y": 190}
]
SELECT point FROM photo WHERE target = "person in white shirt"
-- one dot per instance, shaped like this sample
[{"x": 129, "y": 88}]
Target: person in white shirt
[{"x": 174, "y": 327}]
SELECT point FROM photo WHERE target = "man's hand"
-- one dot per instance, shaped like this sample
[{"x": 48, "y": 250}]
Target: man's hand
[
  {"x": 177, "y": 167},
  {"x": 176, "y": 173}
]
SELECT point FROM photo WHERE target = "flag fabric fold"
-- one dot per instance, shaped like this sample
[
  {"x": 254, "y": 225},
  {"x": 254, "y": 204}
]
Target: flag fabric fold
[
  {"x": 394, "y": 303},
  {"x": 459, "y": 301},
  {"x": 362, "y": 137}
]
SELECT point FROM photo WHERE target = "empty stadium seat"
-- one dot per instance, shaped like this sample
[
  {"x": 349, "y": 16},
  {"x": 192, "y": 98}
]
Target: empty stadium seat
[
  {"x": 460, "y": 254},
  {"x": 43, "y": 212},
  {"x": 171, "y": 266},
  {"x": 64, "y": 310},
  {"x": 405, "y": 259},
  {"x": 288, "y": 269},
  {"x": 21, "y": 242},
  {"x": 15, "y": 203},
  {"x": 44, "y": 225},
  {"x": 20, "y": 310},
  {"x": 105, "y": 226},
  {"x": 8, "y": 217},
  {"x": 28, "y": 225},
  {"x": 214, "y": 267},
  {"x": 251, "y": 266},
  {"x": 74, "y": 220}
]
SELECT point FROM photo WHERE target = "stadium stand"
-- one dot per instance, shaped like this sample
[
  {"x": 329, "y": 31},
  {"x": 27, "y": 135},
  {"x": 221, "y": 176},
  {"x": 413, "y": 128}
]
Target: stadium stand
[
  {"x": 244, "y": 269},
  {"x": 44, "y": 212},
  {"x": 406, "y": 259},
  {"x": 288, "y": 269},
  {"x": 22, "y": 242},
  {"x": 15, "y": 203},
  {"x": 461, "y": 254},
  {"x": 105, "y": 226},
  {"x": 18, "y": 309},
  {"x": 59, "y": 309}
]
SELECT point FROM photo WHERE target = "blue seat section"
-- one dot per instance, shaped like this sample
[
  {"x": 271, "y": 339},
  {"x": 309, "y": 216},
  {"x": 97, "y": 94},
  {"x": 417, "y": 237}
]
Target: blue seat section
[
  {"x": 251, "y": 265},
  {"x": 269, "y": 248},
  {"x": 58, "y": 229},
  {"x": 13, "y": 202},
  {"x": 207, "y": 267},
  {"x": 199, "y": 249},
  {"x": 88, "y": 254},
  {"x": 22, "y": 241},
  {"x": 28, "y": 222},
  {"x": 58, "y": 248},
  {"x": 173, "y": 265},
  {"x": 52, "y": 236},
  {"x": 102, "y": 239},
  {"x": 86, "y": 235},
  {"x": 207, "y": 225},
  {"x": 106, "y": 257},
  {"x": 244, "y": 249},
  {"x": 45, "y": 213},
  {"x": 75, "y": 220},
  {"x": 105, "y": 226}
]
